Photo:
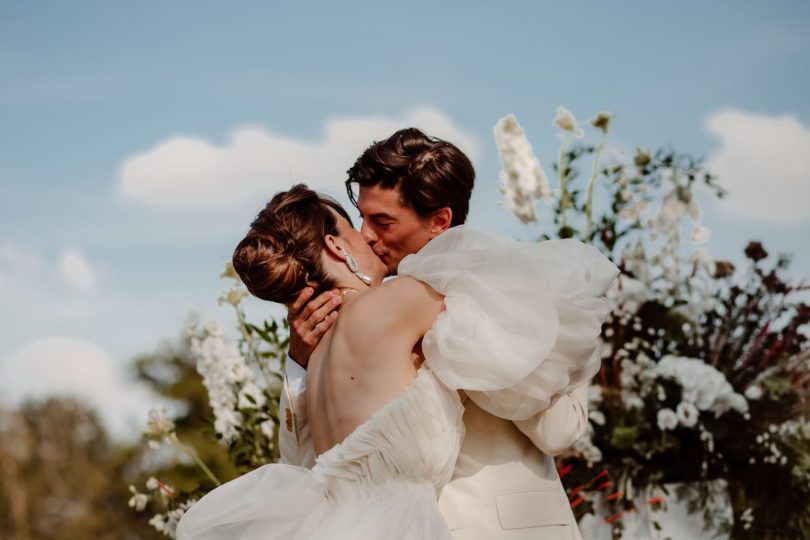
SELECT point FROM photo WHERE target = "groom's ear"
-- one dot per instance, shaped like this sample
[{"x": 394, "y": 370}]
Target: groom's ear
[{"x": 439, "y": 221}]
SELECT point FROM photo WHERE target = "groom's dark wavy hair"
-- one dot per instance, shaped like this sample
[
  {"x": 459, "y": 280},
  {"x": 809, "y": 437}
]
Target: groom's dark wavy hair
[
  {"x": 281, "y": 253},
  {"x": 430, "y": 173}
]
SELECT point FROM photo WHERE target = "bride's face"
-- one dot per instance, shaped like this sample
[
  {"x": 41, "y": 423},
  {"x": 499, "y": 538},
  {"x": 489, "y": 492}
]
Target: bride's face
[{"x": 367, "y": 261}]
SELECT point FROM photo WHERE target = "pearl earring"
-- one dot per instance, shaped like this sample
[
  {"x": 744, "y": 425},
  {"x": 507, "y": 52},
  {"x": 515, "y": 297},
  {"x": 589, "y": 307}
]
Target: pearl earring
[{"x": 352, "y": 264}]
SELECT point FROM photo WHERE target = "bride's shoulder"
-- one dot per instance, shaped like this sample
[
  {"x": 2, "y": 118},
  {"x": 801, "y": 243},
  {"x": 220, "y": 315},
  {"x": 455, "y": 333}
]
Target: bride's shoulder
[
  {"x": 396, "y": 300},
  {"x": 397, "y": 293}
]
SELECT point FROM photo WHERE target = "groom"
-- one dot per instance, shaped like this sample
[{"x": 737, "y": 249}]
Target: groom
[{"x": 411, "y": 188}]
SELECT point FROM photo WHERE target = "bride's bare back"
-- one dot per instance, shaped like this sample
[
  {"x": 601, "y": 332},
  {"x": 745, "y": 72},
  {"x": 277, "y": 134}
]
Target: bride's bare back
[{"x": 367, "y": 358}]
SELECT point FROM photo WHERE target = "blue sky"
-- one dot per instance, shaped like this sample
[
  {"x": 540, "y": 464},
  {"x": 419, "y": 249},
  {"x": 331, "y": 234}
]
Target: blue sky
[{"x": 86, "y": 87}]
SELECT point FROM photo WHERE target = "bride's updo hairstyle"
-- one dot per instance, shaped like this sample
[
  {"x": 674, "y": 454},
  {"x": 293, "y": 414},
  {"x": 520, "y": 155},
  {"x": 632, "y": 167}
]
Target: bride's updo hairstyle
[{"x": 281, "y": 253}]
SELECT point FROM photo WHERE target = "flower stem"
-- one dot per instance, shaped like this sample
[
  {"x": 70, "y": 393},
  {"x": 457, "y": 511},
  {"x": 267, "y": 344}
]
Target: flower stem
[
  {"x": 193, "y": 455},
  {"x": 249, "y": 340},
  {"x": 563, "y": 176},
  {"x": 591, "y": 182}
]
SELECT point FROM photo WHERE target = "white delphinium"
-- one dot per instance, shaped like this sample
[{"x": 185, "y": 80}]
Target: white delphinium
[
  {"x": 138, "y": 500},
  {"x": 159, "y": 428},
  {"x": 707, "y": 437},
  {"x": 163, "y": 491},
  {"x": 632, "y": 212},
  {"x": 158, "y": 522},
  {"x": 522, "y": 177},
  {"x": 629, "y": 294},
  {"x": 228, "y": 379},
  {"x": 167, "y": 523},
  {"x": 747, "y": 517},
  {"x": 633, "y": 401},
  {"x": 584, "y": 447},
  {"x": 703, "y": 385},
  {"x": 268, "y": 427},
  {"x": 701, "y": 261},
  {"x": 597, "y": 417},
  {"x": 629, "y": 376},
  {"x": 667, "y": 419},
  {"x": 800, "y": 427},
  {"x": 595, "y": 394},
  {"x": 700, "y": 235}
]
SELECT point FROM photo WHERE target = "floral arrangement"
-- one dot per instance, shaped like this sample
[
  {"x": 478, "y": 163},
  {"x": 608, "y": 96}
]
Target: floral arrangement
[
  {"x": 243, "y": 381},
  {"x": 706, "y": 370}
]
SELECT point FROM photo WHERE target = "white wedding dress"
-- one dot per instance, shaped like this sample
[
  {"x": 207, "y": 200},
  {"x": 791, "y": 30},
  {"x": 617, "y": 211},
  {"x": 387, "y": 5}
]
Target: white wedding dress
[{"x": 508, "y": 304}]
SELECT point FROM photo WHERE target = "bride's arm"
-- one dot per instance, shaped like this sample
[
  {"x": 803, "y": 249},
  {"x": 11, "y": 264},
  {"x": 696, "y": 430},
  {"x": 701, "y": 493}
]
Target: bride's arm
[{"x": 557, "y": 428}]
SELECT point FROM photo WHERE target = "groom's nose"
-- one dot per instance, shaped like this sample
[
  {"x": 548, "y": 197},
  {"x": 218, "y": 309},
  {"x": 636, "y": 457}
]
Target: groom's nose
[{"x": 368, "y": 233}]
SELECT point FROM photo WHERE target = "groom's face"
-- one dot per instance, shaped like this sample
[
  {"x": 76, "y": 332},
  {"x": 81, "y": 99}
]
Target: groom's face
[{"x": 391, "y": 229}]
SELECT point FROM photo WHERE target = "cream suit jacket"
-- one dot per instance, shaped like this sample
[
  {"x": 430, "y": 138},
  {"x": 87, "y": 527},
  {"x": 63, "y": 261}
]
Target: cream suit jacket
[{"x": 505, "y": 484}]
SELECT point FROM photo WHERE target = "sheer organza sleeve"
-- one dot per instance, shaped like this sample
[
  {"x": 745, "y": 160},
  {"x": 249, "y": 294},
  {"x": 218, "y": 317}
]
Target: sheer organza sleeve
[{"x": 522, "y": 319}]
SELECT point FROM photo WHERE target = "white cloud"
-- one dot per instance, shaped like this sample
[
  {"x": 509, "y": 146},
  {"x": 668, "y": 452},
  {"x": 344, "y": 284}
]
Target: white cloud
[
  {"x": 764, "y": 162},
  {"x": 186, "y": 171},
  {"x": 76, "y": 271},
  {"x": 78, "y": 369}
]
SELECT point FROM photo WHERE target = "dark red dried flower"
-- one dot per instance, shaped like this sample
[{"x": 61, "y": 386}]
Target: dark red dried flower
[
  {"x": 755, "y": 251},
  {"x": 723, "y": 269}
]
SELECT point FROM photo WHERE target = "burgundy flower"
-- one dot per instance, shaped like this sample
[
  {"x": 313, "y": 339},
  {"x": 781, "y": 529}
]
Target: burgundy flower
[
  {"x": 723, "y": 269},
  {"x": 755, "y": 251}
]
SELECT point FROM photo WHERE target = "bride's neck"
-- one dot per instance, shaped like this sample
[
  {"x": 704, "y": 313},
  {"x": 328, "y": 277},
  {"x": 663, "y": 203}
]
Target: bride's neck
[{"x": 350, "y": 288}]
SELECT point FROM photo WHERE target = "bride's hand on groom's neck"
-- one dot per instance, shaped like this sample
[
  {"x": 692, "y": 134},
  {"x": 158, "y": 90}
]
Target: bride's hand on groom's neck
[{"x": 309, "y": 319}]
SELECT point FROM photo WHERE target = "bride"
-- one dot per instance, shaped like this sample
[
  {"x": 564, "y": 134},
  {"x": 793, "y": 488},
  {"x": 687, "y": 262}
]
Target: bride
[{"x": 470, "y": 312}]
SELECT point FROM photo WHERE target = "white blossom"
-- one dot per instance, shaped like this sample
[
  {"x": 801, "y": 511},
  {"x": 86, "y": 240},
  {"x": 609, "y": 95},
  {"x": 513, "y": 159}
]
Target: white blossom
[
  {"x": 584, "y": 447},
  {"x": 213, "y": 329},
  {"x": 138, "y": 500},
  {"x": 159, "y": 427},
  {"x": 629, "y": 294},
  {"x": 687, "y": 414},
  {"x": 228, "y": 379},
  {"x": 700, "y": 235},
  {"x": 268, "y": 427},
  {"x": 633, "y": 401},
  {"x": 565, "y": 121},
  {"x": 230, "y": 272},
  {"x": 152, "y": 483},
  {"x": 667, "y": 419},
  {"x": 232, "y": 296},
  {"x": 157, "y": 522},
  {"x": 522, "y": 177},
  {"x": 594, "y": 394},
  {"x": 753, "y": 392},
  {"x": 167, "y": 524},
  {"x": 597, "y": 417},
  {"x": 701, "y": 260},
  {"x": 703, "y": 385}
]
